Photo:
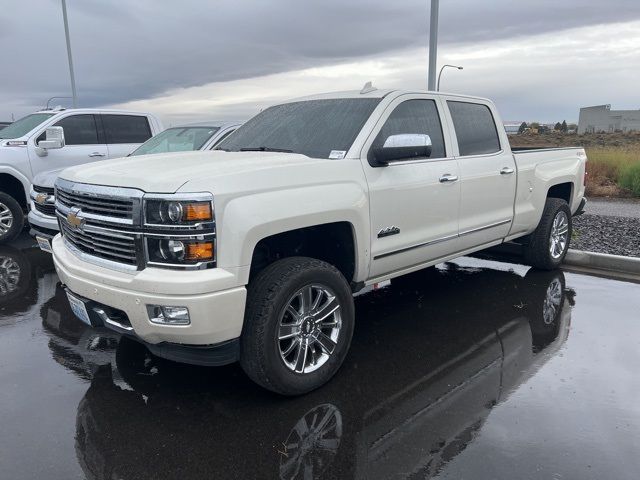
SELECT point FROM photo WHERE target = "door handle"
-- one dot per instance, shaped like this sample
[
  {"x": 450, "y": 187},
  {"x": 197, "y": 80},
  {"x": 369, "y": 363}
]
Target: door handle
[
  {"x": 506, "y": 171},
  {"x": 448, "y": 178},
  {"x": 96, "y": 154}
]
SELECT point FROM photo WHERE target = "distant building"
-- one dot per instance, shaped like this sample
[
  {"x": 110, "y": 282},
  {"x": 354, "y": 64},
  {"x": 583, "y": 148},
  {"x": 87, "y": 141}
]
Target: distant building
[{"x": 600, "y": 118}]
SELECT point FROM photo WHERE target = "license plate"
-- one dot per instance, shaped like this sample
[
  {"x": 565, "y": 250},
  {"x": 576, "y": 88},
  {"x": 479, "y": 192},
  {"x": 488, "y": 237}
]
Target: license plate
[
  {"x": 44, "y": 244},
  {"x": 79, "y": 309}
]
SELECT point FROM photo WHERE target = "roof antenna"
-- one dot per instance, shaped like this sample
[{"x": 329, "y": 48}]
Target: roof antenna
[{"x": 367, "y": 88}]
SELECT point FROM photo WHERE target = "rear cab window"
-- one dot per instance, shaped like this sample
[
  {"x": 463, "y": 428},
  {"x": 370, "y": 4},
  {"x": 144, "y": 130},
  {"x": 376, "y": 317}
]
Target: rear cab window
[
  {"x": 475, "y": 128},
  {"x": 125, "y": 128}
]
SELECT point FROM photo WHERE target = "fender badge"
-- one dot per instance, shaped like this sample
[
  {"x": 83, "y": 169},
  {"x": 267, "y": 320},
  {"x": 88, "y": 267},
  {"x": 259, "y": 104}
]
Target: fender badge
[{"x": 385, "y": 232}]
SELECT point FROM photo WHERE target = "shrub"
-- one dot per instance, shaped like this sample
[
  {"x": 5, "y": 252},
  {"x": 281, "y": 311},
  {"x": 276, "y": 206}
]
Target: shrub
[{"x": 630, "y": 178}]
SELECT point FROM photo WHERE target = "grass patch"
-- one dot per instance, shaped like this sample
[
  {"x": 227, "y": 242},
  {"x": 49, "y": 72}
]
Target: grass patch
[
  {"x": 613, "y": 171},
  {"x": 629, "y": 178}
]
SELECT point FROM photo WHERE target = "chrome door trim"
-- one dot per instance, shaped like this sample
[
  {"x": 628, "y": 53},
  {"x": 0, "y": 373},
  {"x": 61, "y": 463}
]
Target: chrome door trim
[
  {"x": 440, "y": 240},
  {"x": 486, "y": 227},
  {"x": 412, "y": 247}
]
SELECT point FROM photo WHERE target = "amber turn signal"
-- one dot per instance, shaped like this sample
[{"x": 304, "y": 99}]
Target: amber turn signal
[
  {"x": 199, "y": 251},
  {"x": 197, "y": 211}
]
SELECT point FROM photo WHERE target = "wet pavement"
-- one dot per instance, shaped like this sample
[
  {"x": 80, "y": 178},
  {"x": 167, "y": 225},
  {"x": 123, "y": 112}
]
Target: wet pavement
[{"x": 478, "y": 370}]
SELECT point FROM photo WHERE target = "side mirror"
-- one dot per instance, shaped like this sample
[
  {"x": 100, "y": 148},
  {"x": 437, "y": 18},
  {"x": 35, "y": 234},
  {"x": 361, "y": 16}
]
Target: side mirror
[
  {"x": 54, "y": 138},
  {"x": 401, "y": 147}
]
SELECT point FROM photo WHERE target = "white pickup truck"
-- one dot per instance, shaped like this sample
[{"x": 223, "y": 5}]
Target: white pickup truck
[
  {"x": 81, "y": 136},
  {"x": 253, "y": 252}
]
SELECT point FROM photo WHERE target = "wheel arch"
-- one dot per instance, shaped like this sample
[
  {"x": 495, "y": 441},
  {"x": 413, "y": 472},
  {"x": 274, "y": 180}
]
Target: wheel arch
[{"x": 16, "y": 186}]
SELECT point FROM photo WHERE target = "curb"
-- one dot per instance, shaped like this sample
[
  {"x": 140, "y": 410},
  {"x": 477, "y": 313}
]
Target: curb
[{"x": 603, "y": 261}]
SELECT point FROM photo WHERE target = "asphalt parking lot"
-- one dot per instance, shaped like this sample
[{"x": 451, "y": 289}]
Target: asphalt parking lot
[{"x": 478, "y": 370}]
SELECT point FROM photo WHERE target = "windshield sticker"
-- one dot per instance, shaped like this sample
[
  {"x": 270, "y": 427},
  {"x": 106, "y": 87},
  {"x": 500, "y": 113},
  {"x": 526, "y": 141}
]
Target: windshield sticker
[{"x": 337, "y": 154}]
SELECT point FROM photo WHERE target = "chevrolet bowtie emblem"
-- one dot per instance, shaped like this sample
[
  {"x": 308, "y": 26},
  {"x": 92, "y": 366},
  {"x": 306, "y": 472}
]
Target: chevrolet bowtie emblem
[
  {"x": 74, "y": 219},
  {"x": 41, "y": 198}
]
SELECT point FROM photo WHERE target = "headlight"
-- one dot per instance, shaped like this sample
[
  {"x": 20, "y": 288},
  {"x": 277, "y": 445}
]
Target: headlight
[
  {"x": 163, "y": 212},
  {"x": 180, "y": 251}
]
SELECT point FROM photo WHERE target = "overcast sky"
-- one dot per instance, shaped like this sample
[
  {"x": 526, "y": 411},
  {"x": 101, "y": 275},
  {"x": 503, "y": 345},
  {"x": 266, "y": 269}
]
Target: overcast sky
[{"x": 193, "y": 60}]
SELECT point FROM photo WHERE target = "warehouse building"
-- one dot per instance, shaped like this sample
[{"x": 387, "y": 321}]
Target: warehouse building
[{"x": 600, "y": 118}]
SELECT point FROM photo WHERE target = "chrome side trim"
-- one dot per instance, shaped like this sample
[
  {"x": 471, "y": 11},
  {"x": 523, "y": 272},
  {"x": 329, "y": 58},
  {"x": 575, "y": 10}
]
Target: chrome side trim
[
  {"x": 440, "y": 240},
  {"x": 486, "y": 227},
  {"x": 412, "y": 247}
]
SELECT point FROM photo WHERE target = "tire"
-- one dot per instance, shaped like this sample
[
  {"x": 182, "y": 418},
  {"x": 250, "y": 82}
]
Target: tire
[
  {"x": 275, "y": 307},
  {"x": 11, "y": 218},
  {"x": 538, "y": 252}
]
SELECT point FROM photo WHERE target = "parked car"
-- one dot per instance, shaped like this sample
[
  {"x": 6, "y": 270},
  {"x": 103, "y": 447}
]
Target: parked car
[
  {"x": 252, "y": 252},
  {"x": 52, "y": 139},
  {"x": 200, "y": 136}
]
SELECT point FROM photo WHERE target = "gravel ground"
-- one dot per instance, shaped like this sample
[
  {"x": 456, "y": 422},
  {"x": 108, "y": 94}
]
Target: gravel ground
[
  {"x": 616, "y": 235},
  {"x": 614, "y": 207}
]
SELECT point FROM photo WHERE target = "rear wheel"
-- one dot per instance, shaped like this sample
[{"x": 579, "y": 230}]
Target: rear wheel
[
  {"x": 298, "y": 325},
  {"x": 549, "y": 243},
  {"x": 11, "y": 218}
]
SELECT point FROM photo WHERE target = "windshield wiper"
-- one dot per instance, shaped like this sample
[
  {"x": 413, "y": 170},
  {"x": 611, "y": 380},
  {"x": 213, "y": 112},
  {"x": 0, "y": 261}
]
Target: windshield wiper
[{"x": 265, "y": 149}]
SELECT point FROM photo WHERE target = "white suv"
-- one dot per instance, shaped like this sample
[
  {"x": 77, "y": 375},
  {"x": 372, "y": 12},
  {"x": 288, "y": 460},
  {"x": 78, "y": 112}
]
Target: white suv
[{"x": 81, "y": 136}]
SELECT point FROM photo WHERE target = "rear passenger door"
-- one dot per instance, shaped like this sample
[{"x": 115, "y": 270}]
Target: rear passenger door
[
  {"x": 124, "y": 133},
  {"x": 487, "y": 172}
]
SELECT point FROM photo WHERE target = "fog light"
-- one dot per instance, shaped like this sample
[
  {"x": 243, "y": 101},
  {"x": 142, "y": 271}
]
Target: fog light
[{"x": 164, "y": 315}]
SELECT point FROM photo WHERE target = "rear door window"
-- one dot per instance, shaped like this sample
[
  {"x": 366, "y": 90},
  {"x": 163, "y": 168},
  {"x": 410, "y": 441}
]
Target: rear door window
[
  {"x": 125, "y": 128},
  {"x": 475, "y": 128}
]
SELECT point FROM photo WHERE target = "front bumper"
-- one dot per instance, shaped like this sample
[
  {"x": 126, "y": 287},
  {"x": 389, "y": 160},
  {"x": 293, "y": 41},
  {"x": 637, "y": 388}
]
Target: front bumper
[
  {"x": 42, "y": 225},
  {"x": 216, "y": 304}
]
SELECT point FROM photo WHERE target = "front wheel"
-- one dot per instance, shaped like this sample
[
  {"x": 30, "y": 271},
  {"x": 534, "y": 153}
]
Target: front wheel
[
  {"x": 11, "y": 218},
  {"x": 549, "y": 243},
  {"x": 298, "y": 325}
]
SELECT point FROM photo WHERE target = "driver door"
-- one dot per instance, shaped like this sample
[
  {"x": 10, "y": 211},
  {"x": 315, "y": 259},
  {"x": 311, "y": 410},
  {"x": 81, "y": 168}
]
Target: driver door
[
  {"x": 83, "y": 144},
  {"x": 414, "y": 203}
]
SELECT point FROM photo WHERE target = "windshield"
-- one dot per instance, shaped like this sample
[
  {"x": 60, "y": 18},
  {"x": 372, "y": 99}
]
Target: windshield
[
  {"x": 23, "y": 126},
  {"x": 179, "y": 139},
  {"x": 316, "y": 128}
]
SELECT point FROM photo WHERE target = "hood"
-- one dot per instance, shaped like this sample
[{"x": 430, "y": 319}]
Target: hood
[
  {"x": 47, "y": 179},
  {"x": 167, "y": 172}
]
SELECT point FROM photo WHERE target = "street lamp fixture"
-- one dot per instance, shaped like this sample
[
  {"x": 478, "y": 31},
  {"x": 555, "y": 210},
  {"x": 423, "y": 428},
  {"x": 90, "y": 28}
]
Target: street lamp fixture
[{"x": 440, "y": 74}]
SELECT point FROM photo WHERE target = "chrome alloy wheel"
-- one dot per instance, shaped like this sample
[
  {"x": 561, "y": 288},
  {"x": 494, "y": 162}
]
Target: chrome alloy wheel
[
  {"x": 559, "y": 235},
  {"x": 552, "y": 301},
  {"x": 309, "y": 328},
  {"x": 6, "y": 218},
  {"x": 9, "y": 275}
]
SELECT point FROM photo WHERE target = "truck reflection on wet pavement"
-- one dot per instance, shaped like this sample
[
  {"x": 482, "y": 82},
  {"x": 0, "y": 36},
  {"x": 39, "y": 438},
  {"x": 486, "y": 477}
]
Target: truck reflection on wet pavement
[{"x": 468, "y": 371}]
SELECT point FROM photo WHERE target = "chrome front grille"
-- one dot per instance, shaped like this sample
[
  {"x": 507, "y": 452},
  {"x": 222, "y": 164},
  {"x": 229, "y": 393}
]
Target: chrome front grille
[
  {"x": 115, "y": 246},
  {"x": 101, "y": 224},
  {"x": 39, "y": 189},
  {"x": 94, "y": 204},
  {"x": 48, "y": 209}
]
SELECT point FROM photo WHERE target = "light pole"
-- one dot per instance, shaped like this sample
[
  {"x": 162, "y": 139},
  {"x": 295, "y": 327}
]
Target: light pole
[
  {"x": 433, "y": 44},
  {"x": 66, "y": 34},
  {"x": 440, "y": 74}
]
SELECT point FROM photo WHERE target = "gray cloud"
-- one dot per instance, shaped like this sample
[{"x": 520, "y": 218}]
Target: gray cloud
[{"x": 132, "y": 50}]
